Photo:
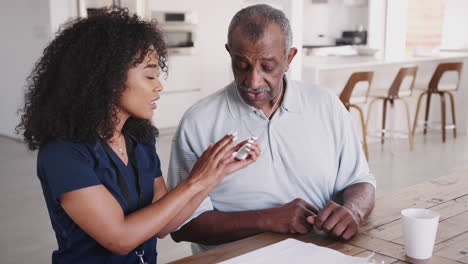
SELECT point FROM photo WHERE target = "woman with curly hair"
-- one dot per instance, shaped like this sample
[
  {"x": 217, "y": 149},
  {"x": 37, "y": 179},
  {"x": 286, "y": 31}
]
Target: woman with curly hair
[{"x": 88, "y": 107}]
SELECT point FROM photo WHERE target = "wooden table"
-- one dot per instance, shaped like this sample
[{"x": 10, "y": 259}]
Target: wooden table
[{"x": 382, "y": 233}]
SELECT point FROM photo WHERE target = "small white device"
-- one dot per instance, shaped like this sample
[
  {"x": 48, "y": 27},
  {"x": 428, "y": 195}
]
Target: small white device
[{"x": 242, "y": 152}]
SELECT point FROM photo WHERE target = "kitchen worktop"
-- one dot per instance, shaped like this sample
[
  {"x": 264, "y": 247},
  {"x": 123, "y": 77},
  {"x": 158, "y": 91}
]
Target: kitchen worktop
[
  {"x": 337, "y": 62},
  {"x": 332, "y": 73}
]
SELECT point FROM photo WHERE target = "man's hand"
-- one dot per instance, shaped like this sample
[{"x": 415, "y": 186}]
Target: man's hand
[
  {"x": 338, "y": 221},
  {"x": 290, "y": 218}
]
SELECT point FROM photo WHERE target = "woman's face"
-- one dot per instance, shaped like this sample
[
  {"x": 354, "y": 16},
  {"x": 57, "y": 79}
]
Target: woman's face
[{"x": 141, "y": 89}]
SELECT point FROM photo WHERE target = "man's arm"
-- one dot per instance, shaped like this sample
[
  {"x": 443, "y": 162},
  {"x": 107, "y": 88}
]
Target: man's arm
[
  {"x": 343, "y": 221},
  {"x": 230, "y": 165},
  {"x": 360, "y": 199},
  {"x": 214, "y": 227}
]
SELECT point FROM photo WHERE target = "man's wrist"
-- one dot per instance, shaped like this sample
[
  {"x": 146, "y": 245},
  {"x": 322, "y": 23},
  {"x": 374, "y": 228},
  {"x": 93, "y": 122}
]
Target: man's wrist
[
  {"x": 354, "y": 212},
  {"x": 263, "y": 221}
]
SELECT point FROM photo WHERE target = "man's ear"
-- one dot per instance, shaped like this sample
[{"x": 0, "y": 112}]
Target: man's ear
[
  {"x": 227, "y": 48},
  {"x": 291, "y": 54}
]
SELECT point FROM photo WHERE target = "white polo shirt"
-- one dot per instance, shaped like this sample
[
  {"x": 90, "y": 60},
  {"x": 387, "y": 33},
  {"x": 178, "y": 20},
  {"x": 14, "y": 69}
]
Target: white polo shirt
[{"x": 310, "y": 149}]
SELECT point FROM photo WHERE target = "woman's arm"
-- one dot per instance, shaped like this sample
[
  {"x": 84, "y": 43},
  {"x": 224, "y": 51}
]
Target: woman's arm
[
  {"x": 194, "y": 203},
  {"x": 160, "y": 189},
  {"x": 99, "y": 214}
]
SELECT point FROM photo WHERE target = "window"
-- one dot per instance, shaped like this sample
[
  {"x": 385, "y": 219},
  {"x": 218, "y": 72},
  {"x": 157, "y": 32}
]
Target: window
[{"x": 425, "y": 20}]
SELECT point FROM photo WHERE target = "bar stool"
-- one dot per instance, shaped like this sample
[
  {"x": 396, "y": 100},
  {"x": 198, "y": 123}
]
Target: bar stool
[
  {"x": 435, "y": 87},
  {"x": 351, "y": 99},
  {"x": 402, "y": 86}
]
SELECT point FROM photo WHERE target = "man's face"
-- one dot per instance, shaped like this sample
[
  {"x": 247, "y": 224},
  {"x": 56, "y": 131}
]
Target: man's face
[{"x": 259, "y": 67}]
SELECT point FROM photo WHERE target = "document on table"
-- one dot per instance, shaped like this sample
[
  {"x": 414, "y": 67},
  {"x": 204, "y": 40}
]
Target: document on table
[{"x": 297, "y": 252}]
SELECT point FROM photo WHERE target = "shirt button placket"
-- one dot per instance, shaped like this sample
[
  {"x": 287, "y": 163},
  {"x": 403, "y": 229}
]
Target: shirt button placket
[{"x": 270, "y": 140}]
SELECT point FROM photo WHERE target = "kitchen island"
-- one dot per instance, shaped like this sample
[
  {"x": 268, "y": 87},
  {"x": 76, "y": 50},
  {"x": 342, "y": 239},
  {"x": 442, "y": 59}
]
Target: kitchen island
[{"x": 332, "y": 72}]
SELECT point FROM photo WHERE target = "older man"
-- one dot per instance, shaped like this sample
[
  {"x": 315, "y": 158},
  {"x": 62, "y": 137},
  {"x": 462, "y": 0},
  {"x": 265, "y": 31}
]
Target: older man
[{"x": 311, "y": 151}]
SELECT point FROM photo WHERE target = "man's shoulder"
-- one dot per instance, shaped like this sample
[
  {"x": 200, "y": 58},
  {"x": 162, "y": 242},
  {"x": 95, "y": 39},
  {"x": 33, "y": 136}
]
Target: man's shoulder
[
  {"x": 209, "y": 102},
  {"x": 312, "y": 94},
  {"x": 207, "y": 107}
]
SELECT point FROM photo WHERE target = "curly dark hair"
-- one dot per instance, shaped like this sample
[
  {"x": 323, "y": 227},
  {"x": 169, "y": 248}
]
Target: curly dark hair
[{"x": 74, "y": 89}]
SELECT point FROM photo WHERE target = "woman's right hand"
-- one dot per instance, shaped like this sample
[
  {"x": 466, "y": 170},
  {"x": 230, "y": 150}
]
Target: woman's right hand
[{"x": 218, "y": 161}]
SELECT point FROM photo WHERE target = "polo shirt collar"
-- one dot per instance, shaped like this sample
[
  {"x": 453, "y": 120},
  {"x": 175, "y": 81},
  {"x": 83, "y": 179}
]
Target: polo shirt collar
[
  {"x": 291, "y": 101},
  {"x": 238, "y": 107}
]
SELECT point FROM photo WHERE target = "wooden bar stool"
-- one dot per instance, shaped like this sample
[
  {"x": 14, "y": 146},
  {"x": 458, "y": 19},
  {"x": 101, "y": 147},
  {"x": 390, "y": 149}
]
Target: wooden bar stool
[
  {"x": 402, "y": 86},
  {"x": 351, "y": 99},
  {"x": 435, "y": 87}
]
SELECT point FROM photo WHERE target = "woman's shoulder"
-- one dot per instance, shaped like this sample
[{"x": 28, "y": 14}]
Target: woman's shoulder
[
  {"x": 149, "y": 141},
  {"x": 148, "y": 144},
  {"x": 145, "y": 152},
  {"x": 63, "y": 144},
  {"x": 63, "y": 149}
]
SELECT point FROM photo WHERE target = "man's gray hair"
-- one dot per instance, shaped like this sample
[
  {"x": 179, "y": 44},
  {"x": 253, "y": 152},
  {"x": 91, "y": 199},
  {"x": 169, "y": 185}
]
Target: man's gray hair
[{"x": 254, "y": 20}]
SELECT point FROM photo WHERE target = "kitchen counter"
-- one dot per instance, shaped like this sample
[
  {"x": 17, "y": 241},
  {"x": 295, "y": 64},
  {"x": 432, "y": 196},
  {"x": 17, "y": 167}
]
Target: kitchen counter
[
  {"x": 332, "y": 73},
  {"x": 337, "y": 62}
]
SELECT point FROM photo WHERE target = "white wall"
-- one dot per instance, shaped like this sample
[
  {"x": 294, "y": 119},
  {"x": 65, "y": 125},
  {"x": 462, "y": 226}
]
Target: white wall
[
  {"x": 294, "y": 11},
  {"x": 25, "y": 28},
  {"x": 392, "y": 15},
  {"x": 195, "y": 76},
  {"x": 330, "y": 19},
  {"x": 61, "y": 11},
  {"x": 396, "y": 26},
  {"x": 377, "y": 22},
  {"x": 455, "y": 19},
  {"x": 190, "y": 77}
]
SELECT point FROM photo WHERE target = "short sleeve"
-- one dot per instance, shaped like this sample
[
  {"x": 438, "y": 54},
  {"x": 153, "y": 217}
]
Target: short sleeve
[
  {"x": 65, "y": 167},
  {"x": 353, "y": 167},
  {"x": 183, "y": 157},
  {"x": 148, "y": 159},
  {"x": 157, "y": 172},
  {"x": 157, "y": 167}
]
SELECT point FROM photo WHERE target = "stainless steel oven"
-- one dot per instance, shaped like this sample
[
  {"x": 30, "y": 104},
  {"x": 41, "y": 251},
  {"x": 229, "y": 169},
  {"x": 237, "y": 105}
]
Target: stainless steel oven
[
  {"x": 89, "y": 7},
  {"x": 179, "y": 29}
]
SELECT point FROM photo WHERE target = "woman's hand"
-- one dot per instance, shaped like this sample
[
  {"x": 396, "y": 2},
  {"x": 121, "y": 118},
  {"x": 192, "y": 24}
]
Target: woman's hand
[
  {"x": 233, "y": 165},
  {"x": 218, "y": 161}
]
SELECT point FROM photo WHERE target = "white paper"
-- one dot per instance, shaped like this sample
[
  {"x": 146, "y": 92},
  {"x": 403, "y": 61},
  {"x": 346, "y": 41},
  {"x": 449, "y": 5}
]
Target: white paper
[{"x": 297, "y": 252}]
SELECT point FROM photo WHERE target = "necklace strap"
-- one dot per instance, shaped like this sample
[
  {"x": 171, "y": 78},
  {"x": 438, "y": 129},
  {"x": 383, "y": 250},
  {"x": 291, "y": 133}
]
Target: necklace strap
[{"x": 277, "y": 100}]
